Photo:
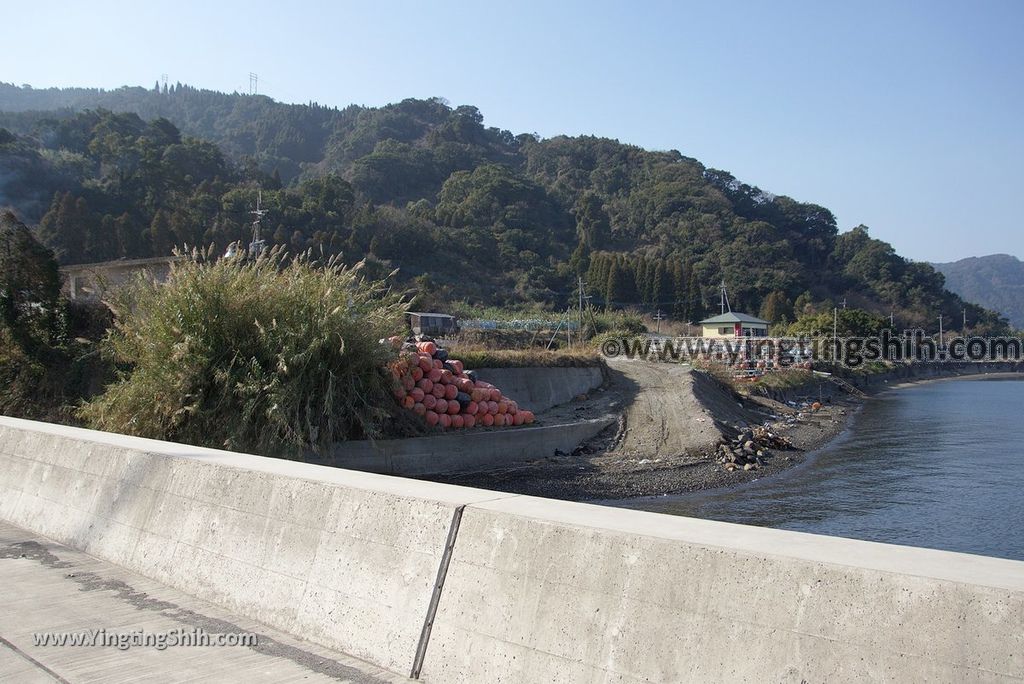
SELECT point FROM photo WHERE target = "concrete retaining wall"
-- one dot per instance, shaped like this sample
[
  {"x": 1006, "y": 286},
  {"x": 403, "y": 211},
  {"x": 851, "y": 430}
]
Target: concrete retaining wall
[
  {"x": 564, "y": 592},
  {"x": 341, "y": 558},
  {"x": 535, "y": 388},
  {"x": 538, "y": 389},
  {"x": 536, "y": 590},
  {"x": 465, "y": 451}
]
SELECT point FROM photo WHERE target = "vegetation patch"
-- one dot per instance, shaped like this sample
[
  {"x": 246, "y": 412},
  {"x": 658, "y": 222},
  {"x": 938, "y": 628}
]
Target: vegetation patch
[
  {"x": 528, "y": 358},
  {"x": 272, "y": 356}
]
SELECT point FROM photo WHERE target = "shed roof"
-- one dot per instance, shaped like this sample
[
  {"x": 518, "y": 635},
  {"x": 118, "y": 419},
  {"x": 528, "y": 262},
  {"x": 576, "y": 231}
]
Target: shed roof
[{"x": 733, "y": 317}]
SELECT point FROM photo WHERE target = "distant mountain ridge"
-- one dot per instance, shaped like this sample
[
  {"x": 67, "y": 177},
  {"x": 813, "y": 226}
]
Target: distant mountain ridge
[
  {"x": 465, "y": 211},
  {"x": 995, "y": 281}
]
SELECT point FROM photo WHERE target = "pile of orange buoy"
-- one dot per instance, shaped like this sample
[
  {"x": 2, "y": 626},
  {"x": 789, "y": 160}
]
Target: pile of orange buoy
[{"x": 431, "y": 385}]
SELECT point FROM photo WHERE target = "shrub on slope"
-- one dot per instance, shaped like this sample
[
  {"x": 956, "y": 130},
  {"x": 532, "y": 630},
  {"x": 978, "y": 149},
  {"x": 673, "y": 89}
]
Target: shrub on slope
[{"x": 272, "y": 356}]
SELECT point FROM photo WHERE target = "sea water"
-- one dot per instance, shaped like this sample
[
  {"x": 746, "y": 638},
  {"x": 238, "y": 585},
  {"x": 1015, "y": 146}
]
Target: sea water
[{"x": 939, "y": 465}]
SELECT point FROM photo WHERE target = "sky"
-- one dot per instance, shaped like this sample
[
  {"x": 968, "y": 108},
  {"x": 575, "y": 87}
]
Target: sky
[{"x": 907, "y": 117}]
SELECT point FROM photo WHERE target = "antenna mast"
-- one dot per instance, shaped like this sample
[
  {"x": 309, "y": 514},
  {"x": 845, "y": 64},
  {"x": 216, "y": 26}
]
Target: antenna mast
[{"x": 254, "y": 82}]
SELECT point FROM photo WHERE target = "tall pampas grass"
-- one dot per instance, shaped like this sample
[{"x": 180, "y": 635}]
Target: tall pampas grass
[{"x": 276, "y": 355}]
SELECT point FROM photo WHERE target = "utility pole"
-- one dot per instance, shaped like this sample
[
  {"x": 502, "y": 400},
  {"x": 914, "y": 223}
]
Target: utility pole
[
  {"x": 942, "y": 342},
  {"x": 892, "y": 320},
  {"x": 835, "y": 332},
  {"x": 658, "y": 317},
  {"x": 258, "y": 245},
  {"x": 965, "y": 323},
  {"x": 580, "y": 278},
  {"x": 725, "y": 299},
  {"x": 844, "y": 303}
]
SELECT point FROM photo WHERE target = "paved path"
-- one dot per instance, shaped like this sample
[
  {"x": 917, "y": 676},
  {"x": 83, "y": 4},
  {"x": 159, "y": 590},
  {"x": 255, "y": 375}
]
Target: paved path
[{"x": 46, "y": 587}]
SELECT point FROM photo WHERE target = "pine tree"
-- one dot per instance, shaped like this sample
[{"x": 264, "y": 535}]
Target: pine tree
[
  {"x": 579, "y": 262},
  {"x": 100, "y": 240},
  {"x": 616, "y": 285},
  {"x": 643, "y": 285},
  {"x": 659, "y": 287},
  {"x": 628, "y": 288}
]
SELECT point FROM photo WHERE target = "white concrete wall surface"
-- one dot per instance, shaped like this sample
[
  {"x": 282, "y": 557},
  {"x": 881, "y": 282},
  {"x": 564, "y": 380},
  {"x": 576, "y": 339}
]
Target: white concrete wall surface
[
  {"x": 341, "y": 558},
  {"x": 536, "y": 590},
  {"x": 538, "y": 389}
]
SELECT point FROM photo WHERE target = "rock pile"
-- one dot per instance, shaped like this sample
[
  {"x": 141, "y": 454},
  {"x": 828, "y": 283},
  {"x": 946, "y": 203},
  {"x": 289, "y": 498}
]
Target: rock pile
[{"x": 751, "y": 448}]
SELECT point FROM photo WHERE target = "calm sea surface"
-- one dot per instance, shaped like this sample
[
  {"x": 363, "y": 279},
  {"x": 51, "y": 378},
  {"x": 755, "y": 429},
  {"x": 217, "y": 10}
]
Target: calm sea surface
[{"x": 938, "y": 465}]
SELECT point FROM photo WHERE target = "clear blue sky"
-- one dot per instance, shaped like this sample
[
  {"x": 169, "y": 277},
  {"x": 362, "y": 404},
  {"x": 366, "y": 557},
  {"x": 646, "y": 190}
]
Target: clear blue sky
[{"x": 907, "y": 117}]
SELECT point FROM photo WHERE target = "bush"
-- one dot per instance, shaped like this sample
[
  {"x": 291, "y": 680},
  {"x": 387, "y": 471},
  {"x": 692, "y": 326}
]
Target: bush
[{"x": 273, "y": 356}]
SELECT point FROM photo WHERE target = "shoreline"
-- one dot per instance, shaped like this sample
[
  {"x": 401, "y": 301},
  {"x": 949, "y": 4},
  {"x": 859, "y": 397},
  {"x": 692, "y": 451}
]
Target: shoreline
[{"x": 635, "y": 460}]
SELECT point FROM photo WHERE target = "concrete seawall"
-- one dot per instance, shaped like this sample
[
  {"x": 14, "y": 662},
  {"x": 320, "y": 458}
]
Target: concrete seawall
[
  {"x": 541, "y": 388},
  {"x": 464, "y": 452},
  {"x": 535, "y": 388},
  {"x": 530, "y": 589}
]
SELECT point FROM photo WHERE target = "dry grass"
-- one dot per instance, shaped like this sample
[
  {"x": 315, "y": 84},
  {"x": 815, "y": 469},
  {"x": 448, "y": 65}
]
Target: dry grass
[
  {"x": 274, "y": 356},
  {"x": 526, "y": 358}
]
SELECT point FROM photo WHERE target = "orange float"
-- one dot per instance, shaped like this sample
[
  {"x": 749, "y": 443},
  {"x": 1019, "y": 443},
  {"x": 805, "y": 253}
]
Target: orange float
[{"x": 437, "y": 391}]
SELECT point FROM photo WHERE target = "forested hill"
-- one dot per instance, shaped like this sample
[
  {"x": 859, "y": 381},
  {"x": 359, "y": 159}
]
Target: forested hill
[
  {"x": 995, "y": 281},
  {"x": 468, "y": 212}
]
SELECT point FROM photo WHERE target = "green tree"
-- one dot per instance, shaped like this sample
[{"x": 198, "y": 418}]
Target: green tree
[
  {"x": 29, "y": 284},
  {"x": 616, "y": 290},
  {"x": 776, "y": 307},
  {"x": 160, "y": 236},
  {"x": 695, "y": 307},
  {"x": 64, "y": 227},
  {"x": 680, "y": 292}
]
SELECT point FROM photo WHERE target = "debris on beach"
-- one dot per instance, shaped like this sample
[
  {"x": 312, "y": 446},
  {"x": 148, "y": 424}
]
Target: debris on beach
[{"x": 751, "y": 448}]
